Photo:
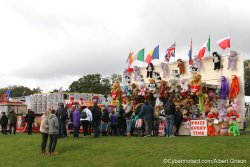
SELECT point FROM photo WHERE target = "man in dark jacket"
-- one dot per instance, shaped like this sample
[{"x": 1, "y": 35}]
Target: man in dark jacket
[
  {"x": 62, "y": 116},
  {"x": 147, "y": 113},
  {"x": 121, "y": 122},
  {"x": 96, "y": 114},
  {"x": 169, "y": 108},
  {"x": 12, "y": 121},
  {"x": 105, "y": 121},
  {"x": 4, "y": 123},
  {"x": 29, "y": 118}
]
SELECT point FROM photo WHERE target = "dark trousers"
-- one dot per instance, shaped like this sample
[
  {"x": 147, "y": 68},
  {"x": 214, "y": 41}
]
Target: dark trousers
[
  {"x": 113, "y": 128},
  {"x": 85, "y": 126},
  {"x": 177, "y": 125},
  {"x": 96, "y": 128},
  {"x": 4, "y": 129},
  {"x": 76, "y": 131},
  {"x": 149, "y": 74},
  {"x": 217, "y": 65},
  {"x": 52, "y": 143},
  {"x": 148, "y": 127},
  {"x": 13, "y": 125},
  {"x": 44, "y": 141},
  {"x": 29, "y": 128},
  {"x": 62, "y": 128}
]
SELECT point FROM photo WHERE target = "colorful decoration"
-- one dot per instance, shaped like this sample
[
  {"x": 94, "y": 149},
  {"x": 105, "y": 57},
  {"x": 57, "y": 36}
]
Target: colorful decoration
[
  {"x": 234, "y": 88},
  {"x": 232, "y": 115}
]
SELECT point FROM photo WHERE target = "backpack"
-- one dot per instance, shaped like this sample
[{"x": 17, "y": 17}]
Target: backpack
[{"x": 84, "y": 115}]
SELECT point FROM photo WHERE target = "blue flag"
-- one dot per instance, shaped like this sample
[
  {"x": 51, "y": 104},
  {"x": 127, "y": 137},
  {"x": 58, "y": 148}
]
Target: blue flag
[
  {"x": 156, "y": 53},
  {"x": 8, "y": 94}
]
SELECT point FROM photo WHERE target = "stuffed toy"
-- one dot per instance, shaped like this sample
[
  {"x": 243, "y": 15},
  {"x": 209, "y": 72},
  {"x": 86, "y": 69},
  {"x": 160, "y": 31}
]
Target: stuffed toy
[
  {"x": 127, "y": 79},
  {"x": 134, "y": 90},
  {"x": 136, "y": 73},
  {"x": 163, "y": 89},
  {"x": 195, "y": 111},
  {"x": 223, "y": 112},
  {"x": 222, "y": 130},
  {"x": 196, "y": 63},
  {"x": 216, "y": 60},
  {"x": 232, "y": 58},
  {"x": 196, "y": 84},
  {"x": 181, "y": 66},
  {"x": 234, "y": 129},
  {"x": 184, "y": 86},
  {"x": 232, "y": 115},
  {"x": 150, "y": 69},
  {"x": 126, "y": 91},
  {"x": 173, "y": 83},
  {"x": 143, "y": 89},
  {"x": 164, "y": 67},
  {"x": 213, "y": 115},
  {"x": 116, "y": 91},
  {"x": 193, "y": 69},
  {"x": 141, "y": 79},
  {"x": 157, "y": 77},
  {"x": 235, "y": 104},
  {"x": 207, "y": 105},
  {"x": 185, "y": 114},
  {"x": 152, "y": 85},
  {"x": 224, "y": 88},
  {"x": 234, "y": 88},
  {"x": 175, "y": 74},
  {"x": 210, "y": 130}
]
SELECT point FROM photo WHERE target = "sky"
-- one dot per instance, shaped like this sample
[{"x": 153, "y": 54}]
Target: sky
[{"x": 50, "y": 44}]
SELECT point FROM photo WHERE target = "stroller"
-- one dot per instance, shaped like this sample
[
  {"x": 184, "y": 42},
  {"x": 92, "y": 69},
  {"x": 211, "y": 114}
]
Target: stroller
[{"x": 139, "y": 127}]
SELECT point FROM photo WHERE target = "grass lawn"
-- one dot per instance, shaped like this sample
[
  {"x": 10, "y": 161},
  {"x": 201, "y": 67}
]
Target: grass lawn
[{"x": 24, "y": 150}]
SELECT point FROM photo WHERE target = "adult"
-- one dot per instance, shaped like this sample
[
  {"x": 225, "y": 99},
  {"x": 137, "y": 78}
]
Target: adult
[
  {"x": 178, "y": 117},
  {"x": 76, "y": 121},
  {"x": 128, "y": 117},
  {"x": 4, "y": 123},
  {"x": 44, "y": 129},
  {"x": 12, "y": 117},
  {"x": 29, "y": 118},
  {"x": 105, "y": 120},
  {"x": 169, "y": 108},
  {"x": 62, "y": 116},
  {"x": 121, "y": 122},
  {"x": 53, "y": 132},
  {"x": 97, "y": 114},
  {"x": 147, "y": 113},
  {"x": 86, "y": 118}
]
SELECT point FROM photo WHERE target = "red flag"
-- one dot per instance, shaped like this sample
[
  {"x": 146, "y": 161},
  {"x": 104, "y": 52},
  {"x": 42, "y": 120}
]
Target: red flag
[
  {"x": 202, "y": 51},
  {"x": 224, "y": 43}
]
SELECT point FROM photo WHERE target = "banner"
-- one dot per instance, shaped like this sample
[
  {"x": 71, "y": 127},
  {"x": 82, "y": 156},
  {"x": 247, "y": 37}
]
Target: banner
[{"x": 198, "y": 127}]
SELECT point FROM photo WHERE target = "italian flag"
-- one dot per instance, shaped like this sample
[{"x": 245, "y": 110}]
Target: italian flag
[
  {"x": 202, "y": 50},
  {"x": 224, "y": 43},
  {"x": 139, "y": 56}
]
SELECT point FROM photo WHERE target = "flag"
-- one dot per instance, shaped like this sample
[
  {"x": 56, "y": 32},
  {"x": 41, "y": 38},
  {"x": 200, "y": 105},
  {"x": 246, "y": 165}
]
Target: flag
[
  {"x": 139, "y": 56},
  {"x": 202, "y": 50},
  {"x": 190, "y": 60},
  {"x": 8, "y": 94},
  {"x": 208, "y": 44},
  {"x": 224, "y": 43},
  {"x": 171, "y": 51},
  {"x": 149, "y": 56},
  {"x": 130, "y": 58},
  {"x": 156, "y": 53}
]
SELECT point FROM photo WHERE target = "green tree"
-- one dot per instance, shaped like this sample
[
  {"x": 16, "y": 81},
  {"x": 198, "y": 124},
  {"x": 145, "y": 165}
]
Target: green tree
[
  {"x": 116, "y": 78},
  {"x": 17, "y": 91},
  {"x": 247, "y": 77}
]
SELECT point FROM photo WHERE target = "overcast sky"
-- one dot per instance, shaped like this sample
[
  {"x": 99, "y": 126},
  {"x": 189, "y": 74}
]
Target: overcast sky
[{"x": 51, "y": 43}]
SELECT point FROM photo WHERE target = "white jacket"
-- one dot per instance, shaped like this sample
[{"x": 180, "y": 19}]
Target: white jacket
[
  {"x": 44, "y": 127},
  {"x": 89, "y": 115}
]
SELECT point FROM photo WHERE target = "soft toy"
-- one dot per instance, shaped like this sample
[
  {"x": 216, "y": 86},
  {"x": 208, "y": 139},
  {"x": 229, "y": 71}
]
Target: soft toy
[
  {"x": 232, "y": 58},
  {"x": 116, "y": 91},
  {"x": 196, "y": 63},
  {"x": 151, "y": 85},
  {"x": 207, "y": 105},
  {"x": 213, "y": 115},
  {"x": 193, "y": 69},
  {"x": 194, "y": 110},
  {"x": 216, "y": 60},
  {"x": 234, "y": 129},
  {"x": 150, "y": 69},
  {"x": 157, "y": 77},
  {"x": 164, "y": 67},
  {"x": 235, "y": 104},
  {"x": 143, "y": 89},
  {"x": 163, "y": 89},
  {"x": 184, "y": 86},
  {"x": 234, "y": 88},
  {"x": 181, "y": 66},
  {"x": 127, "y": 79},
  {"x": 224, "y": 88},
  {"x": 223, "y": 130},
  {"x": 210, "y": 130},
  {"x": 232, "y": 115},
  {"x": 175, "y": 74},
  {"x": 223, "y": 112},
  {"x": 126, "y": 91},
  {"x": 141, "y": 79},
  {"x": 135, "y": 90},
  {"x": 136, "y": 73},
  {"x": 196, "y": 84},
  {"x": 173, "y": 83},
  {"x": 186, "y": 115}
]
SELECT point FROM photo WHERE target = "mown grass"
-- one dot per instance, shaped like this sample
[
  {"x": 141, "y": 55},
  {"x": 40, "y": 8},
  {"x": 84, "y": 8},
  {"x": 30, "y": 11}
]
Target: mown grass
[{"x": 23, "y": 150}]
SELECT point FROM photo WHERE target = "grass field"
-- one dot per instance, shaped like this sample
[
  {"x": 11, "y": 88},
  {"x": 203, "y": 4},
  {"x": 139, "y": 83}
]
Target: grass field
[{"x": 23, "y": 150}]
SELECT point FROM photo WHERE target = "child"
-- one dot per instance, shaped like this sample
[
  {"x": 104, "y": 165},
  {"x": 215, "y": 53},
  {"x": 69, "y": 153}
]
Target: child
[
  {"x": 178, "y": 119},
  {"x": 4, "y": 122},
  {"x": 113, "y": 126}
]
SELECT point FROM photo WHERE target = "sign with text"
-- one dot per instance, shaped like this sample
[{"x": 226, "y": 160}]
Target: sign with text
[{"x": 198, "y": 128}]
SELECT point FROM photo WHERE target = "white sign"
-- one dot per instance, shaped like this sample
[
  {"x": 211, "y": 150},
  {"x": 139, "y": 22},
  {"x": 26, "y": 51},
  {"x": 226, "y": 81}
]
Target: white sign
[{"x": 198, "y": 128}]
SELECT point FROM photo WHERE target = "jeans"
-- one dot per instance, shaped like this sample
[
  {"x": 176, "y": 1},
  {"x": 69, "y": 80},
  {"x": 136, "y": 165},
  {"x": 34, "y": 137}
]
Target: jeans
[
  {"x": 62, "y": 128},
  {"x": 148, "y": 126},
  {"x": 29, "y": 128},
  {"x": 14, "y": 128},
  {"x": 4, "y": 129},
  {"x": 96, "y": 128},
  {"x": 44, "y": 142},
  {"x": 85, "y": 126},
  {"x": 128, "y": 122},
  {"x": 170, "y": 124},
  {"x": 76, "y": 131},
  {"x": 52, "y": 143}
]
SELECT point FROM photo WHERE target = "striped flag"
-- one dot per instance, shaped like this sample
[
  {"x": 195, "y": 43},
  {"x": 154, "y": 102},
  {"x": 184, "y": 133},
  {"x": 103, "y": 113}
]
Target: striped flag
[
  {"x": 171, "y": 51},
  {"x": 156, "y": 53},
  {"x": 149, "y": 56},
  {"x": 190, "y": 60}
]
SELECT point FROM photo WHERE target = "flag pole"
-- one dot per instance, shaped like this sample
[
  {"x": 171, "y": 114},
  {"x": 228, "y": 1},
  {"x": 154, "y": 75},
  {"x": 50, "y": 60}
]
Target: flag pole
[{"x": 229, "y": 41}]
